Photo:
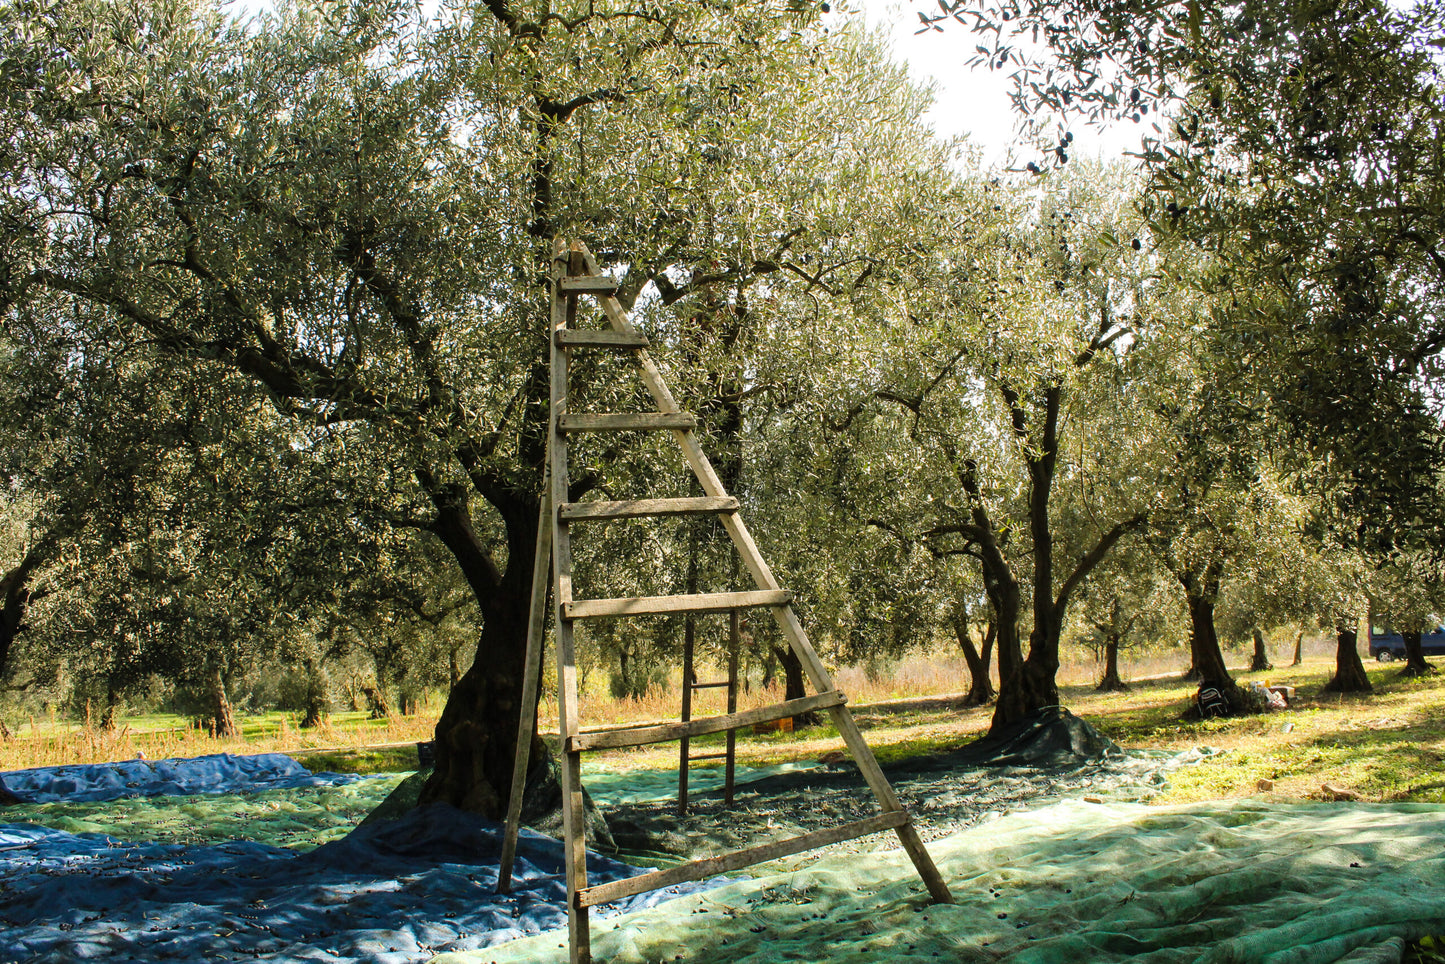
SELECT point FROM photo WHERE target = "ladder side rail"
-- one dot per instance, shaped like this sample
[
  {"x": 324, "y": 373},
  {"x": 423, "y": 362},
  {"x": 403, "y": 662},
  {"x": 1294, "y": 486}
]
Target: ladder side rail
[
  {"x": 531, "y": 681},
  {"x": 573, "y": 812},
  {"x": 684, "y": 749},
  {"x": 734, "y": 645}
]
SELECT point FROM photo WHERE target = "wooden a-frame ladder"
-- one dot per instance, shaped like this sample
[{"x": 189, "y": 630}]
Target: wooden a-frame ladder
[{"x": 574, "y": 273}]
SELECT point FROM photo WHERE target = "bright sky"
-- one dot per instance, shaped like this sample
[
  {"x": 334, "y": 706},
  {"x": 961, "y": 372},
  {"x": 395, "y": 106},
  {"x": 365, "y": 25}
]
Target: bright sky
[{"x": 972, "y": 102}]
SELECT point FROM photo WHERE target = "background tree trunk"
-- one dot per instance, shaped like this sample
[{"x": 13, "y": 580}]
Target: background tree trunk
[
  {"x": 1260, "y": 662},
  {"x": 1415, "y": 664},
  {"x": 1208, "y": 659},
  {"x": 1299, "y": 647},
  {"x": 377, "y": 705},
  {"x": 794, "y": 683},
  {"x": 1349, "y": 670},
  {"x": 222, "y": 712},
  {"x": 980, "y": 689},
  {"x": 1111, "y": 683},
  {"x": 317, "y": 701}
]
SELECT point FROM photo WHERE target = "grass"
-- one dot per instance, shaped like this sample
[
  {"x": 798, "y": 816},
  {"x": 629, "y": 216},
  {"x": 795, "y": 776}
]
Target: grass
[
  {"x": 1385, "y": 746},
  {"x": 346, "y": 742}
]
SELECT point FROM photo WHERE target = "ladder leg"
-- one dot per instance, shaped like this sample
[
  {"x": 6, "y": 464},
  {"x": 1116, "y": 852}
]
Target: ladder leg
[
  {"x": 574, "y": 816},
  {"x": 888, "y": 800},
  {"x": 536, "y": 621},
  {"x": 735, "y": 636},
  {"x": 689, "y": 630},
  {"x": 862, "y": 755}
]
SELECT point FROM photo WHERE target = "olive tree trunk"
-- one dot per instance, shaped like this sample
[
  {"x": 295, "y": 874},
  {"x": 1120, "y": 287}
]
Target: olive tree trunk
[
  {"x": 1112, "y": 683},
  {"x": 1260, "y": 662},
  {"x": 1415, "y": 664},
  {"x": 1350, "y": 674}
]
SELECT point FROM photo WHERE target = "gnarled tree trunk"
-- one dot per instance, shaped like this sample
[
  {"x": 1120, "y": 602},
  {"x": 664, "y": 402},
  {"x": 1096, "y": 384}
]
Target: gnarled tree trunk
[
  {"x": 1201, "y": 589},
  {"x": 477, "y": 732},
  {"x": 1415, "y": 664},
  {"x": 1350, "y": 674},
  {"x": 794, "y": 683},
  {"x": 980, "y": 688}
]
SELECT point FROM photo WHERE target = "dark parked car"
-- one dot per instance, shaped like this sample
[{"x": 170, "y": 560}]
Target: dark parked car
[{"x": 1386, "y": 647}]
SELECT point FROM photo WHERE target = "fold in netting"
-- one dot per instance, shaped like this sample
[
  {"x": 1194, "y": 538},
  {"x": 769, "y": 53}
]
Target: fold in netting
[
  {"x": 217, "y": 773},
  {"x": 1225, "y": 881}
]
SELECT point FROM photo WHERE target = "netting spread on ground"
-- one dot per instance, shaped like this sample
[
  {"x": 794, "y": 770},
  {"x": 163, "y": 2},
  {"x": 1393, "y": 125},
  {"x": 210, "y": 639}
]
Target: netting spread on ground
[
  {"x": 1242, "y": 881},
  {"x": 231, "y": 874},
  {"x": 390, "y": 892},
  {"x": 216, "y": 773},
  {"x": 1247, "y": 881}
]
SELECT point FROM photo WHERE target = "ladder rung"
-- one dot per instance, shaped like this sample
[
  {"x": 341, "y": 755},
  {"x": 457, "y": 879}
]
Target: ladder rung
[
  {"x": 662, "y": 733},
  {"x": 626, "y": 422},
  {"x": 707, "y": 756},
  {"x": 600, "y": 338},
  {"x": 596, "y": 284},
  {"x": 738, "y": 859},
  {"x": 655, "y": 605},
  {"x": 576, "y": 511},
  {"x": 707, "y": 686}
]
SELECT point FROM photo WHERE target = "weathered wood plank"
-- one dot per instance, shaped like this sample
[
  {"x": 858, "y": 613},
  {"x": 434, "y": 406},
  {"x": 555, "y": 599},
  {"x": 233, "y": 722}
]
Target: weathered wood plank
[
  {"x": 641, "y": 736},
  {"x": 626, "y": 422},
  {"x": 654, "y": 605},
  {"x": 588, "y": 285},
  {"x": 738, "y": 859},
  {"x": 639, "y": 508},
  {"x": 574, "y": 818},
  {"x": 601, "y": 338},
  {"x": 531, "y": 680}
]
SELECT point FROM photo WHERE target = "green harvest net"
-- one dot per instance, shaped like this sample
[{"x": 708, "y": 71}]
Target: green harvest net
[{"x": 1220, "y": 882}]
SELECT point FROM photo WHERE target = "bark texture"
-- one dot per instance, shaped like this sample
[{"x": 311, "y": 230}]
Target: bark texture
[
  {"x": 1112, "y": 683},
  {"x": 1349, "y": 669},
  {"x": 980, "y": 689},
  {"x": 1415, "y": 664},
  {"x": 1260, "y": 662}
]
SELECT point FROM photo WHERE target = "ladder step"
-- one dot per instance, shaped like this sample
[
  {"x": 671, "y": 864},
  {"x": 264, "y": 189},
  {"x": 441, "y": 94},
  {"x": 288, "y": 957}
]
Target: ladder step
[
  {"x": 596, "y": 284},
  {"x": 707, "y": 756},
  {"x": 637, "y": 508},
  {"x": 738, "y": 859},
  {"x": 643, "y": 735},
  {"x": 655, "y": 605},
  {"x": 626, "y": 422},
  {"x": 707, "y": 686},
  {"x": 600, "y": 338}
]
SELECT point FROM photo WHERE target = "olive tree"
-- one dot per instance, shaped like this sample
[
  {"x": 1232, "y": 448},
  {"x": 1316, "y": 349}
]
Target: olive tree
[{"x": 351, "y": 210}]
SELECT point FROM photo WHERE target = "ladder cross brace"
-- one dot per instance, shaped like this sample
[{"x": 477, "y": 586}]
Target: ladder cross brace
[{"x": 666, "y": 732}]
